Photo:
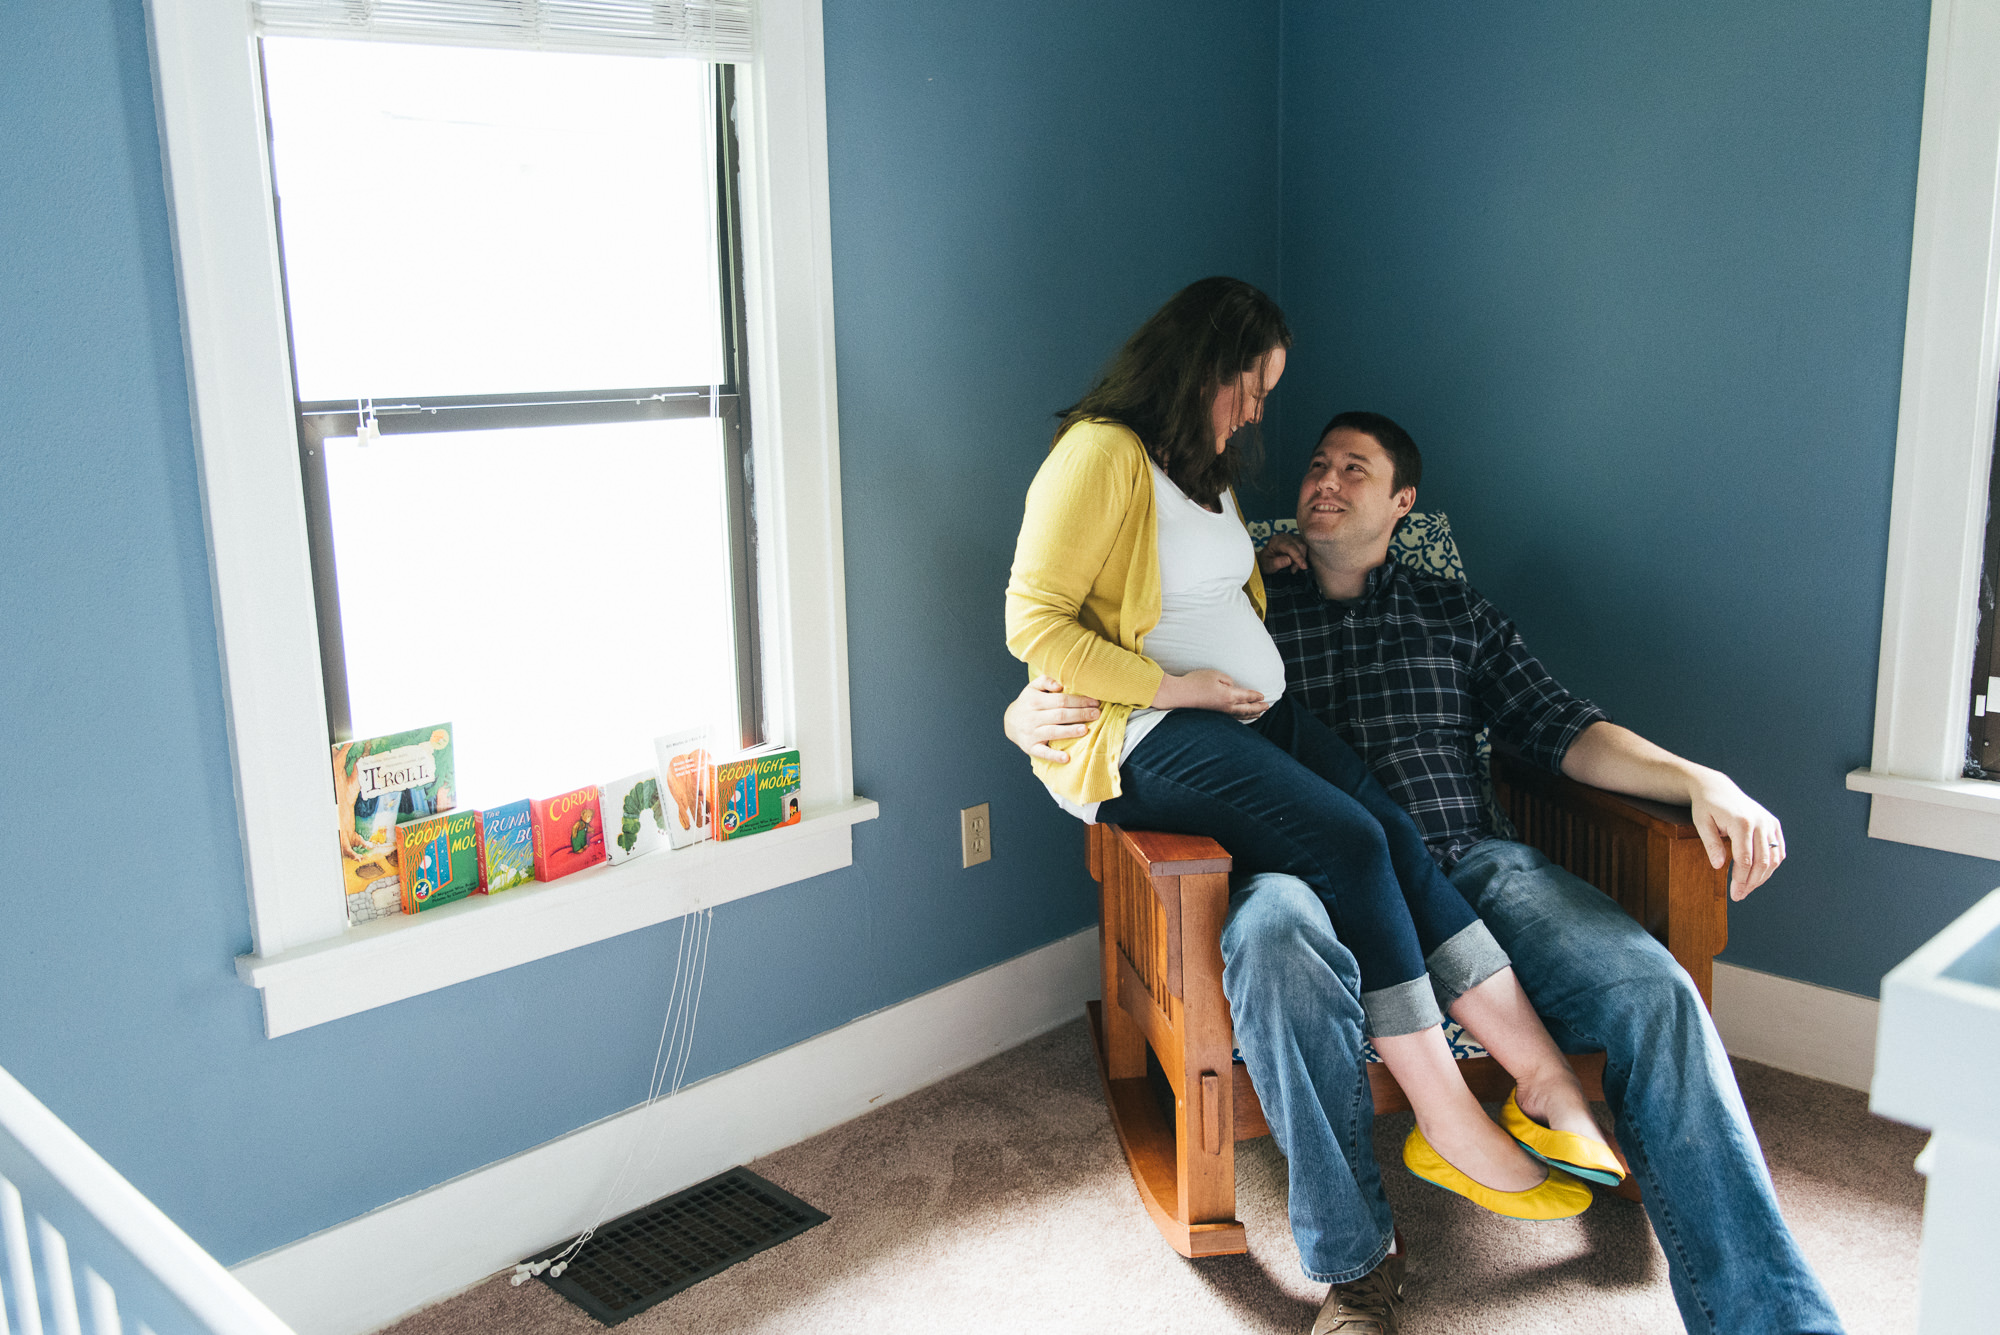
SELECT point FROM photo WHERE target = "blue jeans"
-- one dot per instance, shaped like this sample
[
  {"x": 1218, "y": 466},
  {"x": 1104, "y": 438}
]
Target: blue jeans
[
  {"x": 1600, "y": 983},
  {"x": 1285, "y": 793}
]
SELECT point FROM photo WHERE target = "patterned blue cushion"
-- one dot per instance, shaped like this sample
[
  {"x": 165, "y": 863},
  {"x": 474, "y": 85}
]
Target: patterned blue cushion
[
  {"x": 1421, "y": 542},
  {"x": 1463, "y": 1045}
]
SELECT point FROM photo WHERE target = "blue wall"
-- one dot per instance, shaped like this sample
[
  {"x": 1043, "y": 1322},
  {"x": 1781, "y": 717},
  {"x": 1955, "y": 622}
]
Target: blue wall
[
  {"x": 1010, "y": 193},
  {"x": 1634, "y": 276}
]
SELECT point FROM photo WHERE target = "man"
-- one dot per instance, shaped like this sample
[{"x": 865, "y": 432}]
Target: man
[{"x": 1408, "y": 667}]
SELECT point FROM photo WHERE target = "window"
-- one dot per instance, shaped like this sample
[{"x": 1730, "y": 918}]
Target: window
[
  {"x": 1944, "y": 448},
  {"x": 512, "y": 292},
  {"x": 307, "y": 964}
]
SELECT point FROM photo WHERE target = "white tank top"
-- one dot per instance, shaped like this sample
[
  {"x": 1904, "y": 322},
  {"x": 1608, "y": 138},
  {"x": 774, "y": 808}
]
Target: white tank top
[{"x": 1206, "y": 617}]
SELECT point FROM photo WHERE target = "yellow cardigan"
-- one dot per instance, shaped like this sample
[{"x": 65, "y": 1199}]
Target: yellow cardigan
[{"x": 1085, "y": 591}]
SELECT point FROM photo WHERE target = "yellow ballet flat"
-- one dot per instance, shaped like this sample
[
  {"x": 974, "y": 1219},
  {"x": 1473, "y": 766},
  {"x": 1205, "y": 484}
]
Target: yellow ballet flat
[
  {"x": 1559, "y": 1196},
  {"x": 1588, "y": 1158}
]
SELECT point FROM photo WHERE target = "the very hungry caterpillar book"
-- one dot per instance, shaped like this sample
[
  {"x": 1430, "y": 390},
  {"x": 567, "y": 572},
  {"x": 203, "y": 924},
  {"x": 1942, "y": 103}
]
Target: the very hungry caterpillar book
[
  {"x": 506, "y": 847},
  {"x": 439, "y": 857},
  {"x": 377, "y": 782},
  {"x": 635, "y": 819},
  {"x": 569, "y": 833}
]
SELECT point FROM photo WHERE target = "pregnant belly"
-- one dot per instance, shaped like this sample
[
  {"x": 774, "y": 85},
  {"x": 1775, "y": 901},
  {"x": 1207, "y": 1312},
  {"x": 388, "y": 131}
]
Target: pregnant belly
[{"x": 1228, "y": 637}]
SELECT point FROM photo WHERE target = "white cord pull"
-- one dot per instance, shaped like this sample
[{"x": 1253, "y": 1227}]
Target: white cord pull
[{"x": 669, "y": 1062}]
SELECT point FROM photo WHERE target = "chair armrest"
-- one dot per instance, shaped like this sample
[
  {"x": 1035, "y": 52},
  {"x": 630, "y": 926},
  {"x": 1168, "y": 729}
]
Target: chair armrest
[
  {"x": 1188, "y": 875},
  {"x": 1674, "y": 821},
  {"x": 1646, "y": 855},
  {"x": 1173, "y": 854},
  {"x": 1163, "y": 898}
]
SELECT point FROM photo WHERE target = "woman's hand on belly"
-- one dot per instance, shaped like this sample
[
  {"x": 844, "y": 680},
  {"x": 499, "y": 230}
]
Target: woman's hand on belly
[{"x": 1209, "y": 688}]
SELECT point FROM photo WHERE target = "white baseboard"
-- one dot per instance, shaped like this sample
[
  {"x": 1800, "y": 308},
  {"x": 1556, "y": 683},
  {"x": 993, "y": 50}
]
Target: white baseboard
[
  {"x": 1798, "y": 1027},
  {"x": 361, "y": 1275},
  {"x": 417, "y": 1251}
]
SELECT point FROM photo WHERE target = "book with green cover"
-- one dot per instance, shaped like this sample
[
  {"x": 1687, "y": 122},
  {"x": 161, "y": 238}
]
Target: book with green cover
[
  {"x": 755, "y": 791},
  {"x": 439, "y": 858}
]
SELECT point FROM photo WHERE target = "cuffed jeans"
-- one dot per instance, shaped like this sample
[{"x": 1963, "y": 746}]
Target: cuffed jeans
[
  {"x": 1285, "y": 793},
  {"x": 1600, "y": 983}
]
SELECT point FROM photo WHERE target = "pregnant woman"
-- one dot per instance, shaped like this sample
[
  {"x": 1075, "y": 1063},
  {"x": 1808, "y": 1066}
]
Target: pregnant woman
[{"x": 1135, "y": 582}]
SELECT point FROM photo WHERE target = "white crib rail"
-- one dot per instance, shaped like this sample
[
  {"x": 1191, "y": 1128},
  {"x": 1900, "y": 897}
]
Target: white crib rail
[{"x": 110, "y": 1262}]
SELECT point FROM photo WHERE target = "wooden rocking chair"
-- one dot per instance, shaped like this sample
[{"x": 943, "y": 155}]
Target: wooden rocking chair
[{"x": 1164, "y": 897}]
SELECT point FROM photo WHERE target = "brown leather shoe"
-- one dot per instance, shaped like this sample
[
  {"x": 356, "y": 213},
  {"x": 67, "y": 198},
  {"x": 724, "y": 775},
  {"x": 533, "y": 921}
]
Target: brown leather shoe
[{"x": 1366, "y": 1306}]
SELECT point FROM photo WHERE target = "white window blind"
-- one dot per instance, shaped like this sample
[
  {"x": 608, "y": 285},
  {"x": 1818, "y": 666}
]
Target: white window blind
[{"x": 711, "y": 29}]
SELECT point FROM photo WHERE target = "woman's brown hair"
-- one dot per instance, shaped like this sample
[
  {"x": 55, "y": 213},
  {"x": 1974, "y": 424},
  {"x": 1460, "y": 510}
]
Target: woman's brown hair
[{"x": 1163, "y": 382}]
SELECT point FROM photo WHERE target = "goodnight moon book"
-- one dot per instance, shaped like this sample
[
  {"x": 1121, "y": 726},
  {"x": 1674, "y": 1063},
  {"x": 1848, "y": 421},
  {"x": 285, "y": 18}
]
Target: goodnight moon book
[
  {"x": 755, "y": 791},
  {"x": 439, "y": 859}
]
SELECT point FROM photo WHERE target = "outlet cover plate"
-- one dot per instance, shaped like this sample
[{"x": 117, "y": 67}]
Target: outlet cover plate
[{"x": 975, "y": 835}]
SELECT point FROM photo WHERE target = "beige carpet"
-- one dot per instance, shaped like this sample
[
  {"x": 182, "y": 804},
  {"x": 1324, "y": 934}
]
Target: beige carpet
[{"x": 997, "y": 1201}]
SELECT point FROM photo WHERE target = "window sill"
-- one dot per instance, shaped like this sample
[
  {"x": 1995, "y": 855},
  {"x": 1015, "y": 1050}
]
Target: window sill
[
  {"x": 1956, "y": 815},
  {"x": 380, "y": 962}
]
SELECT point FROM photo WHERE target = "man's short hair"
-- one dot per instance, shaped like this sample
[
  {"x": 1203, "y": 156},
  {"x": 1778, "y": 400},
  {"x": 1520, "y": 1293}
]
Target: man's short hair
[{"x": 1403, "y": 454}]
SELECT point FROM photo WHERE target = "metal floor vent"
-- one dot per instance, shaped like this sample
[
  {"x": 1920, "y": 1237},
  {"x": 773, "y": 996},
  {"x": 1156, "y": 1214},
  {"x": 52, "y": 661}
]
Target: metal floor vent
[{"x": 656, "y": 1251}]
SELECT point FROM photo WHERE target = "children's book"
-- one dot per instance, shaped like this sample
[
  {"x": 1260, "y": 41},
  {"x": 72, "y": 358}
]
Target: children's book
[
  {"x": 755, "y": 791},
  {"x": 378, "y": 782},
  {"x": 684, "y": 774},
  {"x": 635, "y": 819},
  {"x": 439, "y": 857},
  {"x": 569, "y": 833},
  {"x": 506, "y": 847}
]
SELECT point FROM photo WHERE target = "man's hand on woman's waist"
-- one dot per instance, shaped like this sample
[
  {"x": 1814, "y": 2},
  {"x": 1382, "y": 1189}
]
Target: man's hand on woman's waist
[{"x": 1043, "y": 713}]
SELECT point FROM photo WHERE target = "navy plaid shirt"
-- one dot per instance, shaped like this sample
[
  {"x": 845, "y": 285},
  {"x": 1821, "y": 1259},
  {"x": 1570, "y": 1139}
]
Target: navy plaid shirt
[{"x": 1407, "y": 674}]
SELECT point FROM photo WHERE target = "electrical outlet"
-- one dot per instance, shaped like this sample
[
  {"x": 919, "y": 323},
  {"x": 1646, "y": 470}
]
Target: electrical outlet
[{"x": 975, "y": 835}]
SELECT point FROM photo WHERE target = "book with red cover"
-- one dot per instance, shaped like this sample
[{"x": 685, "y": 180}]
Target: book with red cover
[{"x": 569, "y": 833}]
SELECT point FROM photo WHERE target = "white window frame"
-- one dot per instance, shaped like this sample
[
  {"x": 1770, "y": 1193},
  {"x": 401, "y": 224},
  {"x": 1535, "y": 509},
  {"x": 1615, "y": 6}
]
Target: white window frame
[
  {"x": 1944, "y": 445},
  {"x": 309, "y": 966}
]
